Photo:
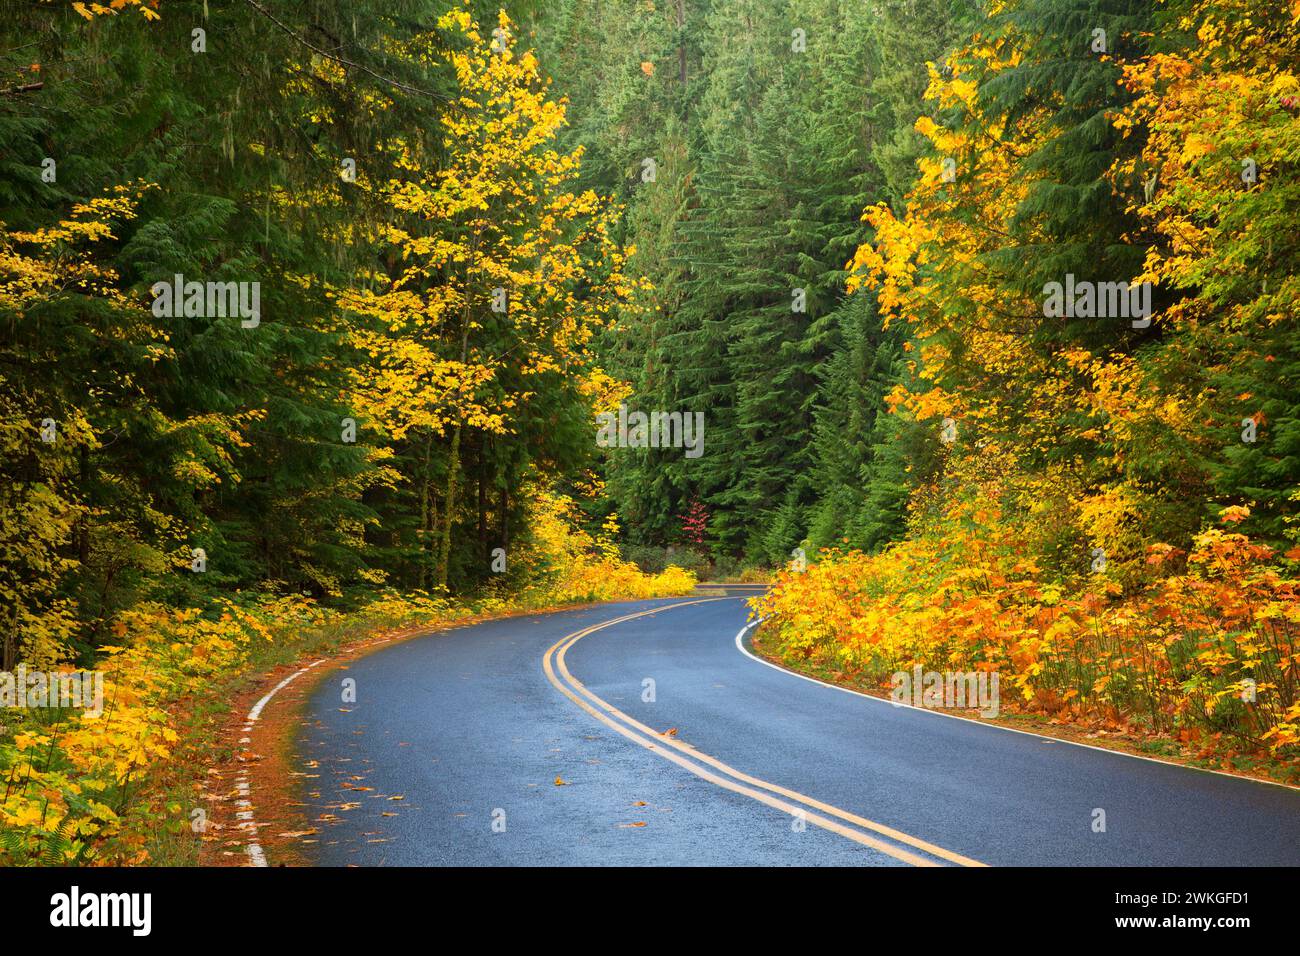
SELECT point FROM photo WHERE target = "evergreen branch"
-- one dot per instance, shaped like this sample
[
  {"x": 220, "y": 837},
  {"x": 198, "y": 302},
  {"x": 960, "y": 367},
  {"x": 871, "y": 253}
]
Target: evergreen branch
[{"x": 320, "y": 51}]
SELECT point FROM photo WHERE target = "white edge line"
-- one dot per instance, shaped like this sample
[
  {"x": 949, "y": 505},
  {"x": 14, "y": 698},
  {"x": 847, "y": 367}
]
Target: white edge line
[
  {"x": 740, "y": 646},
  {"x": 256, "y": 856}
]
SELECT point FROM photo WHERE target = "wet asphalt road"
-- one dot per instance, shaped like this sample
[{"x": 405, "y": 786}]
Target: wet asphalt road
[{"x": 468, "y": 730}]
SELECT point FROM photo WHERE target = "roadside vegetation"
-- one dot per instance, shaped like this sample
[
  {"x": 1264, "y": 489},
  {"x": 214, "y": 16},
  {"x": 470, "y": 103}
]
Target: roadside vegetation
[
  {"x": 121, "y": 787},
  {"x": 1107, "y": 512}
]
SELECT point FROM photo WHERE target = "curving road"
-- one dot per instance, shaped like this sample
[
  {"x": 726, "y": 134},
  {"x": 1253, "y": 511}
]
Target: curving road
[{"x": 542, "y": 741}]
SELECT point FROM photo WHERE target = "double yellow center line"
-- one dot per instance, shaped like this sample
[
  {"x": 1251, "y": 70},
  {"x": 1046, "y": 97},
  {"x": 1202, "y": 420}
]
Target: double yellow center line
[{"x": 859, "y": 829}]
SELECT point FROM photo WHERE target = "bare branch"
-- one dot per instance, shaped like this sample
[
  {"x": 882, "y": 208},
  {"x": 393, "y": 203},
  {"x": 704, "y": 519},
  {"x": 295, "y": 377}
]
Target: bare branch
[{"x": 26, "y": 88}]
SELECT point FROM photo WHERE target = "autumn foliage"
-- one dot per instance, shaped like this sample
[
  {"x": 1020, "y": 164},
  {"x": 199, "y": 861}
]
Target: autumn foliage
[
  {"x": 1104, "y": 525},
  {"x": 81, "y": 789},
  {"x": 176, "y": 491},
  {"x": 1207, "y": 652}
]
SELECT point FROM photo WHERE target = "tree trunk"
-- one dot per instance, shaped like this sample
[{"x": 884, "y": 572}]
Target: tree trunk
[
  {"x": 505, "y": 517},
  {"x": 681, "y": 41},
  {"x": 426, "y": 517},
  {"x": 444, "y": 549},
  {"x": 83, "y": 520},
  {"x": 453, "y": 465},
  {"x": 482, "y": 506},
  {"x": 10, "y": 655}
]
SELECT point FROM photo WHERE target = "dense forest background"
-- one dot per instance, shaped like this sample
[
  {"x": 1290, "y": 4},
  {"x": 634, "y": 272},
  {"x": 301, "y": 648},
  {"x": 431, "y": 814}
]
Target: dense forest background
[
  {"x": 382, "y": 425},
  {"x": 671, "y": 196},
  {"x": 1069, "y": 133},
  {"x": 862, "y": 223},
  {"x": 772, "y": 126}
]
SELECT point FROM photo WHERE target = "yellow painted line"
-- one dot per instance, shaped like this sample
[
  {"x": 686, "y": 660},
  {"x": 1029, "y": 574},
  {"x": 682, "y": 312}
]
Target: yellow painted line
[
  {"x": 746, "y": 778},
  {"x": 734, "y": 780}
]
